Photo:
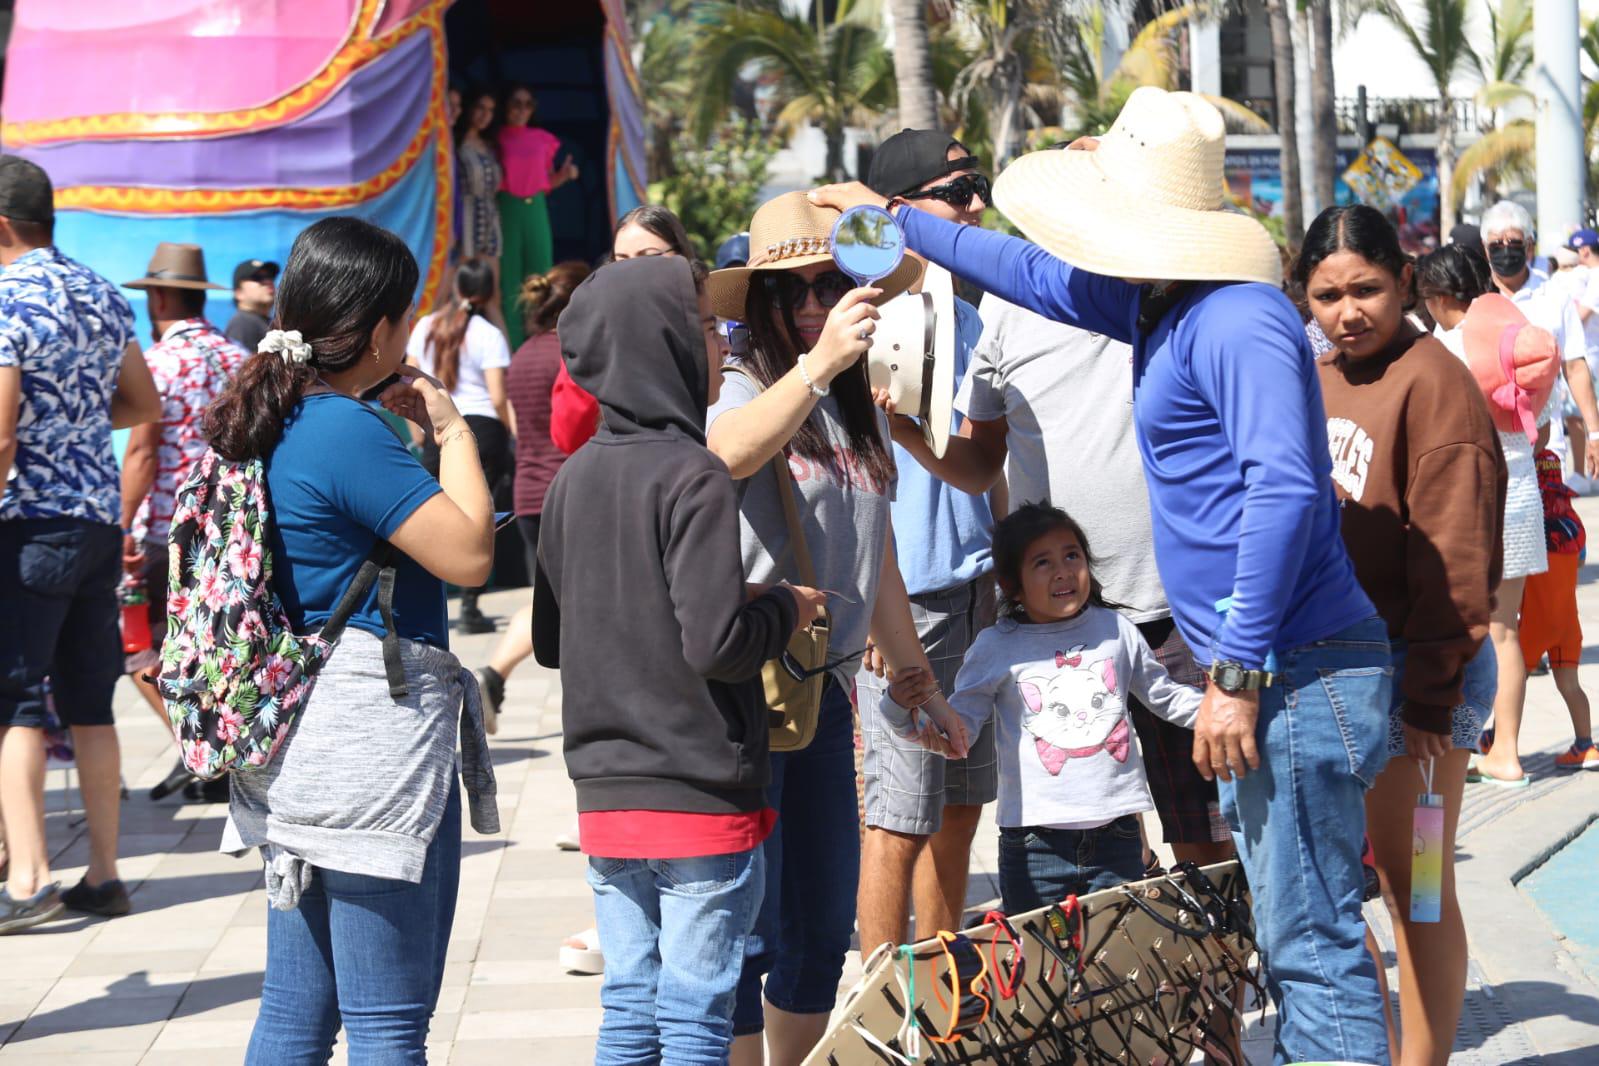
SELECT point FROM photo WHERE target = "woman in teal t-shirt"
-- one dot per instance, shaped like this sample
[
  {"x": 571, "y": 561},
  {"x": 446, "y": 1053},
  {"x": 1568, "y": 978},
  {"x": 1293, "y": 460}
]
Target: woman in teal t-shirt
[{"x": 358, "y": 817}]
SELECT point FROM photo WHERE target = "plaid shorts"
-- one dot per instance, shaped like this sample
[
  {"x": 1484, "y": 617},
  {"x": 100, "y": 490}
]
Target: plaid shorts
[
  {"x": 907, "y": 785},
  {"x": 1189, "y": 809}
]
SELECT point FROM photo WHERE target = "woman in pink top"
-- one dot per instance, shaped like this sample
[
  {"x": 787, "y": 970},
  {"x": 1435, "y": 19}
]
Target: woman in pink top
[{"x": 528, "y": 156}]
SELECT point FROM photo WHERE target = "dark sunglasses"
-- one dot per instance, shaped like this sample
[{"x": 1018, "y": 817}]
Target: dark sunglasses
[
  {"x": 789, "y": 289},
  {"x": 956, "y": 193},
  {"x": 795, "y": 669}
]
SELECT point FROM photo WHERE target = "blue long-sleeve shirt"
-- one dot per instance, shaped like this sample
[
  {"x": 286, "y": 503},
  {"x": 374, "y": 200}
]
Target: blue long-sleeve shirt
[{"x": 1233, "y": 436}]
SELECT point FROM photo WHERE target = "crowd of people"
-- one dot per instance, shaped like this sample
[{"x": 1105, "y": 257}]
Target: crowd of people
[{"x": 1259, "y": 552}]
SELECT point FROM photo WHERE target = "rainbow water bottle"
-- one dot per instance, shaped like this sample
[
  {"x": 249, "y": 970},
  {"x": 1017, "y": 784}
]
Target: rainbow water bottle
[{"x": 1427, "y": 858}]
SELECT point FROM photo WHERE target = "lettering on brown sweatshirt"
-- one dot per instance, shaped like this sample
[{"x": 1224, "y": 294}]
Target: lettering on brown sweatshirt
[{"x": 1421, "y": 483}]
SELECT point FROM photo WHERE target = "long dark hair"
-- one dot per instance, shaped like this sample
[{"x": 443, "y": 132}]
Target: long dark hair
[
  {"x": 474, "y": 288},
  {"x": 343, "y": 279},
  {"x": 545, "y": 296},
  {"x": 1015, "y": 533},
  {"x": 1356, "y": 228},
  {"x": 1453, "y": 270},
  {"x": 662, "y": 223},
  {"x": 463, "y": 122},
  {"x": 774, "y": 348}
]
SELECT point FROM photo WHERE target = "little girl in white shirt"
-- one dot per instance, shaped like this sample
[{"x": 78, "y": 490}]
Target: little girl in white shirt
[{"x": 1055, "y": 673}]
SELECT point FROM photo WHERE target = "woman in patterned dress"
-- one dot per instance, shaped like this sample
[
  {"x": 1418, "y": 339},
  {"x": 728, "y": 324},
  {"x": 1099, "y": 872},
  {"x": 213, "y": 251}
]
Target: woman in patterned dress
[{"x": 477, "y": 161}]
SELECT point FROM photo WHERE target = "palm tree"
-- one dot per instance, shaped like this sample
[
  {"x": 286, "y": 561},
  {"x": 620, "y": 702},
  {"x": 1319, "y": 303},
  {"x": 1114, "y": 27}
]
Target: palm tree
[
  {"x": 1323, "y": 106},
  {"x": 1439, "y": 40},
  {"x": 1508, "y": 150},
  {"x": 913, "y": 65},
  {"x": 1011, "y": 40},
  {"x": 832, "y": 73},
  {"x": 667, "y": 41},
  {"x": 1094, "y": 95},
  {"x": 1282, "y": 73}
]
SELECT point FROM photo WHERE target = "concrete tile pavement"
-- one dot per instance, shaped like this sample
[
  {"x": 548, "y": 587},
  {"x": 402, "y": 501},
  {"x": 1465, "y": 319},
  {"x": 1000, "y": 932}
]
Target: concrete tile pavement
[{"x": 177, "y": 981}]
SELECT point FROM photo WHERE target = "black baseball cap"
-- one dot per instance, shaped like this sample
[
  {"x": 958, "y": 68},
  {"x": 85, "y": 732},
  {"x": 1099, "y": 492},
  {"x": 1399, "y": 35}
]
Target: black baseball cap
[
  {"x": 253, "y": 268},
  {"x": 1467, "y": 235},
  {"x": 25, "y": 191},
  {"x": 912, "y": 158}
]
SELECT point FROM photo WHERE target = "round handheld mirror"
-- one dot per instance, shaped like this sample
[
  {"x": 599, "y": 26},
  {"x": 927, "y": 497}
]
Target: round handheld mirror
[{"x": 867, "y": 243}]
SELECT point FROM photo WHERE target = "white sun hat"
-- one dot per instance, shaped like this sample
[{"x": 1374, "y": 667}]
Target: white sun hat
[
  {"x": 913, "y": 355},
  {"x": 1147, "y": 203}
]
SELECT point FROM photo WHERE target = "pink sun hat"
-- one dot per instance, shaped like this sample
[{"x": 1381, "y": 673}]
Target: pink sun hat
[{"x": 1515, "y": 363}]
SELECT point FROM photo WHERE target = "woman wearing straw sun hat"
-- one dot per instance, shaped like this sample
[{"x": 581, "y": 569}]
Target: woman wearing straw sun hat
[
  {"x": 802, "y": 394},
  {"x": 1234, "y": 442}
]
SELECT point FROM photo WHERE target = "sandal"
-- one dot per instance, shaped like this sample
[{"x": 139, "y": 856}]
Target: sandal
[
  {"x": 580, "y": 953},
  {"x": 1478, "y": 776}
]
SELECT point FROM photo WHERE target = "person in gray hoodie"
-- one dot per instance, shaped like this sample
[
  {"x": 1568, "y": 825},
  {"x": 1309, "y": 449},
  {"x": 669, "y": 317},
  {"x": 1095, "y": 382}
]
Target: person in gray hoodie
[{"x": 640, "y": 601}]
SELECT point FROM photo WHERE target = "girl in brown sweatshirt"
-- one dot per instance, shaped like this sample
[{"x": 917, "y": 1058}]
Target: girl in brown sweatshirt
[{"x": 1421, "y": 480}]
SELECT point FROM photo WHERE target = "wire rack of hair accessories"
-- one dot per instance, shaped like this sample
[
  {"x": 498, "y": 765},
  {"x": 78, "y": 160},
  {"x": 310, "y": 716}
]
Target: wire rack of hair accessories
[{"x": 1149, "y": 972}]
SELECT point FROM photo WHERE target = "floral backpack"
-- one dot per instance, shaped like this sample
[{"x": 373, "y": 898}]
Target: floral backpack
[{"x": 233, "y": 673}]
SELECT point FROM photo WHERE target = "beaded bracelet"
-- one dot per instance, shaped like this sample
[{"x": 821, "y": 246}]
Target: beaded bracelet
[{"x": 806, "y": 377}]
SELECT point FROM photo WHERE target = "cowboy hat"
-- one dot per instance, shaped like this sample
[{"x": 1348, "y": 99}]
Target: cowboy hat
[
  {"x": 789, "y": 232},
  {"x": 174, "y": 266},
  {"x": 1146, "y": 203},
  {"x": 1515, "y": 363},
  {"x": 913, "y": 355}
]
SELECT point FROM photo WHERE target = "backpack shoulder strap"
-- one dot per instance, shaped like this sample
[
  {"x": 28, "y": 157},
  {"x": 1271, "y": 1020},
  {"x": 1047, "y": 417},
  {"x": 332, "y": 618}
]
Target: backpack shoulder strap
[
  {"x": 785, "y": 493},
  {"x": 377, "y": 567}
]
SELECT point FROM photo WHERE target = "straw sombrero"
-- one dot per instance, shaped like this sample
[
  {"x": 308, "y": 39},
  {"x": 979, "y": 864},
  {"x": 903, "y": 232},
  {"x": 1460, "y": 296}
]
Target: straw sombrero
[
  {"x": 789, "y": 232},
  {"x": 1147, "y": 203}
]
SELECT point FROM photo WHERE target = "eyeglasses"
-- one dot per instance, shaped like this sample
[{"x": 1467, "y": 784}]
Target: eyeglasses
[
  {"x": 789, "y": 289},
  {"x": 956, "y": 193},
  {"x": 795, "y": 669},
  {"x": 1507, "y": 243}
]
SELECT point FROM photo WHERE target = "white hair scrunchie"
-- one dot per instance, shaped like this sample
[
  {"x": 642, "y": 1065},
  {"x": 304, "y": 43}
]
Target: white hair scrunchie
[{"x": 288, "y": 344}]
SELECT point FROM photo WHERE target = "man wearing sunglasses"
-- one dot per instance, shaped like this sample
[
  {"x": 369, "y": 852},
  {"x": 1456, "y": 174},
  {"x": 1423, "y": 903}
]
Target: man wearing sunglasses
[{"x": 921, "y": 810}]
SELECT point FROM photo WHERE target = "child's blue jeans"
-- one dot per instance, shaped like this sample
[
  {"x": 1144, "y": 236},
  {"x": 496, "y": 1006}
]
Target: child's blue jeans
[
  {"x": 673, "y": 932},
  {"x": 1039, "y": 866}
]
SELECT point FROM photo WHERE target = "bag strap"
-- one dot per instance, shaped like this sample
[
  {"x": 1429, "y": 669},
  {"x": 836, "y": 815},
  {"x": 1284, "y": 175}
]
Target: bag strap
[
  {"x": 785, "y": 492},
  {"x": 378, "y": 568}
]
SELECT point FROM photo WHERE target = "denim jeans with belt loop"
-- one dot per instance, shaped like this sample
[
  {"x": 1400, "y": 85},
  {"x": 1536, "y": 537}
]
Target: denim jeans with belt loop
[{"x": 1298, "y": 822}]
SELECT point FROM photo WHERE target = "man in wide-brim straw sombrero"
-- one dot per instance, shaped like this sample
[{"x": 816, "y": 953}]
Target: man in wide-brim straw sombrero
[{"x": 1134, "y": 241}]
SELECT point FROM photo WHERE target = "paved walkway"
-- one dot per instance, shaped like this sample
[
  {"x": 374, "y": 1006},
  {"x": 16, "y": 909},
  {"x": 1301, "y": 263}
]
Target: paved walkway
[{"x": 176, "y": 981}]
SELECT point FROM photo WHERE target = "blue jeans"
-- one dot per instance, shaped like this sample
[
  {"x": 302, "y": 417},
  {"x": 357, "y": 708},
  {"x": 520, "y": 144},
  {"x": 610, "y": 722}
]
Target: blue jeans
[
  {"x": 1298, "y": 822},
  {"x": 1039, "y": 866},
  {"x": 813, "y": 863},
  {"x": 361, "y": 950},
  {"x": 672, "y": 930}
]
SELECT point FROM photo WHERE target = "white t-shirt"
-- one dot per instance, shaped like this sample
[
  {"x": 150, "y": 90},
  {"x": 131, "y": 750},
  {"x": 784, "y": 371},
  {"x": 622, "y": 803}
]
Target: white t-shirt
[
  {"x": 484, "y": 348},
  {"x": 1067, "y": 399}
]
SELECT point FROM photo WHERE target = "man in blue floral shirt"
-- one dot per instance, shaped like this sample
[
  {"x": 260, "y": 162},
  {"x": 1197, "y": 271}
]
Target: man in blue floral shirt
[{"x": 70, "y": 372}]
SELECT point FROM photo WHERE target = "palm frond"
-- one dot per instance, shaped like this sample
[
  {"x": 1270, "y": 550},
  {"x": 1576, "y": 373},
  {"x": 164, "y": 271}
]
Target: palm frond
[
  {"x": 1497, "y": 94},
  {"x": 1508, "y": 146},
  {"x": 1240, "y": 119},
  {"x": 1151, "y": 57}
]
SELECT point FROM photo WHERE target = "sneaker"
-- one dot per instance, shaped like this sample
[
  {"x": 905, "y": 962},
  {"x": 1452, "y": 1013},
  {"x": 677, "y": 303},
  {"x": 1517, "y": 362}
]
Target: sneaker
[
  {"x": 19, "y": 914},
  {"x": 175, "y": 780},
  {"x": 1585, "y": 757},
  {"x": 473, "y": 621},
  {"x": 198, "y": 791},
  {"x": 108, "y": 899},
  {"x": 493, "y": 686}
]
